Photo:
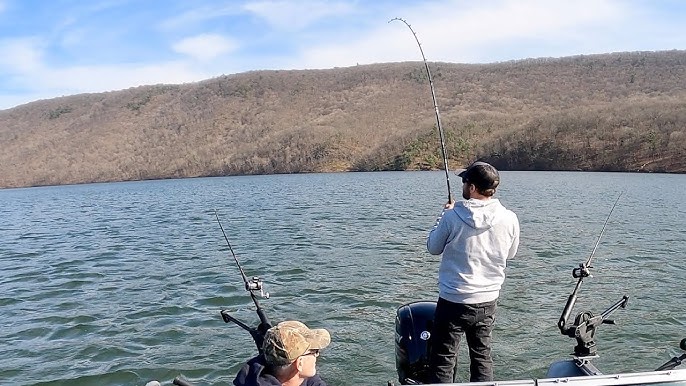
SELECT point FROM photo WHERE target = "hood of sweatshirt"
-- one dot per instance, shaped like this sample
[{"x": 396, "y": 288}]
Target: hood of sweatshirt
[
  {"x": 252, "y": 374},
  {"x": 479, "y": 214}
]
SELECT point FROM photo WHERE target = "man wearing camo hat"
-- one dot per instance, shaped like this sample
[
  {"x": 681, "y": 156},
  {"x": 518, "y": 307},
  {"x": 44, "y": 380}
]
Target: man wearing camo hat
[{"x": 289, "y": 357}]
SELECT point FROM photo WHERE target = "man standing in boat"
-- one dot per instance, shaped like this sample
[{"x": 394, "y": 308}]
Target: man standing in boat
[
  {"x": 290, "y": 350},
  {"x": 476, "y": 237}
]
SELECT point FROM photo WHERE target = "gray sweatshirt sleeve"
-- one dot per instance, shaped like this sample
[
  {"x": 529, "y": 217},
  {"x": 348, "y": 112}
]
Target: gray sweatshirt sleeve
[
  {"x": 438, "y": 235},
  {"x": 515, "y": 241}
]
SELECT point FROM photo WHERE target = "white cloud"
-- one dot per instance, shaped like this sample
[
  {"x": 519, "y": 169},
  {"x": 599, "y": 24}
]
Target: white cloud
[
  {"x": 457, "y": 31},
  {"x": 205, "y": 47},
  {"x": 20, "y": 55},
  {"x": 470, "y": 32},
  {"x": 197, "y": 16},
  {"x": 53, "y": 82},
  {"x": 289, "y": 34},
  {"x": 98, "y": 78},
  {"x": 536, "y": 19},
  {"x": 285, "y": 14}
]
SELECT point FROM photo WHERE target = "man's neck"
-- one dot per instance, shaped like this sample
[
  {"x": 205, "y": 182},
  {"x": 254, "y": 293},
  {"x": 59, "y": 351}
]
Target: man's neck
[{"x": 478, "y": 196}]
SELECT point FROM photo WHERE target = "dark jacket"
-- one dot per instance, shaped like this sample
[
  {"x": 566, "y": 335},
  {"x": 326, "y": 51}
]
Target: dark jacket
[{"x": 253, "y": 374}]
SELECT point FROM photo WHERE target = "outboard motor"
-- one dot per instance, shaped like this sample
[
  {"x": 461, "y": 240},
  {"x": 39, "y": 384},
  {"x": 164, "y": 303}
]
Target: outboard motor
[{"x": 413, "y": 327}]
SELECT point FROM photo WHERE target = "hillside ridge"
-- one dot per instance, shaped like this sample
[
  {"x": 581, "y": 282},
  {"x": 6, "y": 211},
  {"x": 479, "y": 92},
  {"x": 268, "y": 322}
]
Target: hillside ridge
[{"x": 607, "y": 112}]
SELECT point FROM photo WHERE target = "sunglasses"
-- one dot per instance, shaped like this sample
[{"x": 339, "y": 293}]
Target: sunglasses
[{"x": 311, "y": 352}]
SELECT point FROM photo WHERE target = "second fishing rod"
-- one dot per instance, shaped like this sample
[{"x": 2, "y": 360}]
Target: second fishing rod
[
  {"x": 585, "y": 325},
  {"x": 254, "y": 286}
]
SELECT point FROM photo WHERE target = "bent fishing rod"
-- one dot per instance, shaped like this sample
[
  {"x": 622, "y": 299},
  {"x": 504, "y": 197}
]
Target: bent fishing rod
[
  {"x": 433, "y": 97},
  {"x": 252, "y": 285},
  {"x": 586, "y": 323}
]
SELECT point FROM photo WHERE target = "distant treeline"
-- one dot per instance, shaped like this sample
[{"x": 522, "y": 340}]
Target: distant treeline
[{"x": 610, "y": 112}]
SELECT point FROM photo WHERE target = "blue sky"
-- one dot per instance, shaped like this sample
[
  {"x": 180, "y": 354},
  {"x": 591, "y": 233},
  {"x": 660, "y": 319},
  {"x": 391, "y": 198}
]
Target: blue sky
[{"x": 50, "y": 48}]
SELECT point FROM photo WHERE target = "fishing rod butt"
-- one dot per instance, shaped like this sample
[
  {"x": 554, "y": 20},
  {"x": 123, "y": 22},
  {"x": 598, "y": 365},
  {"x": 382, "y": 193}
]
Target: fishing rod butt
[{"x": 566, "y": 311}]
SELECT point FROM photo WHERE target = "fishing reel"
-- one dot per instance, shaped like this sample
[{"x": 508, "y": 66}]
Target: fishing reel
[
  {"x": 255, "y": 284},
  {"x": 582, "y": 271}
]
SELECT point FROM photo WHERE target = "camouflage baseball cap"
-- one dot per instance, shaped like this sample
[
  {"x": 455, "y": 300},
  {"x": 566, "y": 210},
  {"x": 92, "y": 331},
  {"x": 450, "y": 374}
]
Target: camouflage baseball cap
[{"x": 288, "y": 340}]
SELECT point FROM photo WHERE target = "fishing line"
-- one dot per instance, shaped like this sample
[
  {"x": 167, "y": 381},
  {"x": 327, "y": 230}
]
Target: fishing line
[{"x": 433, "y": 97}]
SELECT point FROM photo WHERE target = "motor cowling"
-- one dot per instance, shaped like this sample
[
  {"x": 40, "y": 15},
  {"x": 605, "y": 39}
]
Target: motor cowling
[{"x": 413, "y": 327}]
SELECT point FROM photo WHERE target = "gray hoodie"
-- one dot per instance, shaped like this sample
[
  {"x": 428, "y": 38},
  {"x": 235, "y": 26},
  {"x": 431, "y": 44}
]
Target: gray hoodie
[{"x": 476, "y": 238}]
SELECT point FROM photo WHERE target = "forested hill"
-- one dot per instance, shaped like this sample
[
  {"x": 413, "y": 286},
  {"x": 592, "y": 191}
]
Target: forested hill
[{"x": 612, "y": 112}]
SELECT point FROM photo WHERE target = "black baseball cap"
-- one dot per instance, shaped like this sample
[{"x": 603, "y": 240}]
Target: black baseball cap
[{"x": 483, "y": 175}]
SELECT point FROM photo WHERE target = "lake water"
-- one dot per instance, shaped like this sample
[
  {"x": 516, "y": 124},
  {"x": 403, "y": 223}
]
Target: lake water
[{"x": 117, "y": 284}]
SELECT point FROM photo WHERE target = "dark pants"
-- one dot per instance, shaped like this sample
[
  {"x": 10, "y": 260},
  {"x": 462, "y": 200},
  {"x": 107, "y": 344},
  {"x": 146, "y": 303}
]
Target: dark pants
[{"x": 451, "y": 320}]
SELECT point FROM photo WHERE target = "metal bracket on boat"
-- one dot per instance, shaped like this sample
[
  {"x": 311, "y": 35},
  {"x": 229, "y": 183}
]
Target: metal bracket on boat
[
  {"x": 586, "y": 325},
  {"x": 676, "y": 361},
  {"x": 257, "y": 333},
  {"x": 585, "y": 366},
  {"x": 252, "y": 285}
]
